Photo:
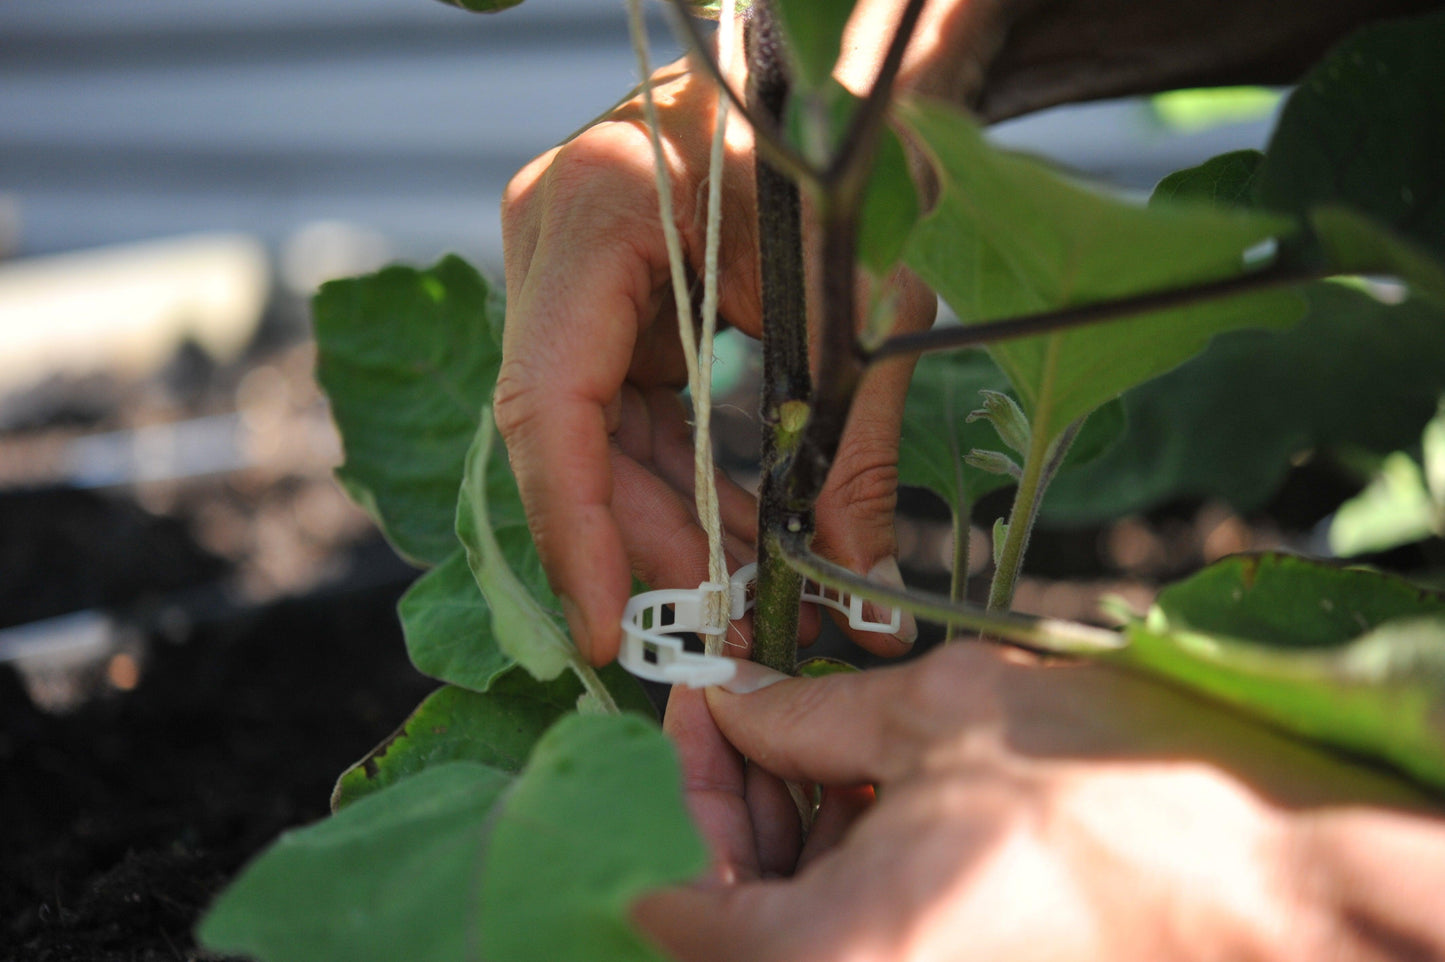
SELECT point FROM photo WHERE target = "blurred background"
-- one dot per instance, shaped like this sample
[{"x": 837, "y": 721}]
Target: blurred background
[{"x": 175, "y": 180}]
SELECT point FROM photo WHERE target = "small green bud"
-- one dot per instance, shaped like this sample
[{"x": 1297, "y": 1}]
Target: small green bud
[
  {"x": 793, "y": 416},
  {"x": 994, "y": 462},
  {"x": 1007, "y": 418}
]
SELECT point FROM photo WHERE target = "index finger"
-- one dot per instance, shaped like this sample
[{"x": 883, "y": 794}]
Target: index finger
[{"x": 574, "y": 315}]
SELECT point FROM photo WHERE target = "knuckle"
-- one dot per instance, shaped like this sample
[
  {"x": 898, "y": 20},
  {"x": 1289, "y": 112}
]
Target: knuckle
[
  {"x": 865, "y": 484},
  {"x": 514, "y": 400}
]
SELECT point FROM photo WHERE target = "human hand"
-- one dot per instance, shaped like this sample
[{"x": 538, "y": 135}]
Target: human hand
[
  {"x": 1026, "y": 812},
  {"x": 586, "y": 398}
]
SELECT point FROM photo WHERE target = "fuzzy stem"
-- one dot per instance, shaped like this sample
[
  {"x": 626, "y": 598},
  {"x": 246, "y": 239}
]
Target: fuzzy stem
[
  {"x": 593, "y": 685},
  {"x": 1020, "y": 525},
  {"x": 1031, "y": 632},
  {"x": 1082, "y": 315},
  {"x": 958, "y": 584},
  {"x": 787, "y": 384}
]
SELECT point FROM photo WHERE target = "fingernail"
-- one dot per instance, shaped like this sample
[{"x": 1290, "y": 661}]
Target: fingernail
[
  {"x": 751, "y": 677},
  {"x": 886, "y": 572},
  {"x": 577, "y": 622}
]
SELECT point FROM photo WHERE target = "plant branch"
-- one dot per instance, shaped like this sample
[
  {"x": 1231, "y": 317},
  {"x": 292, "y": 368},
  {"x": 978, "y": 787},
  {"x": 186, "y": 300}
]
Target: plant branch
[
  {"x": 767, "y": 130},
  {"x": 1040, "y": 466},
  {"x": 593, "y": 685},
  {"x": 1083, "y": 315},
  {"x": 787, "y": 384},
  {"x": 1030, "y": 632},
  {"x": 848, "y": 172}
]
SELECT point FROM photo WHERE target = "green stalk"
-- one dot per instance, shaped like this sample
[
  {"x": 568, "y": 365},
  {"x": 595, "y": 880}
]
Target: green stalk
[
  {"x": 787, "y": 384},
  {"x": 1020, "y": 525},
  {"x": 958, "y": 585},
  {"x": 1031, "y": 632},
  {"x": 593, "y": 685}
]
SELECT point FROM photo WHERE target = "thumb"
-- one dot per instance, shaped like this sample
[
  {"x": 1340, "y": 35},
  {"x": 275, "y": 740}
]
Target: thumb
[
  {"x": 855, "y": 511},
  {"x": 754, "y": 921},
  {"x": 856, "y": 507}
]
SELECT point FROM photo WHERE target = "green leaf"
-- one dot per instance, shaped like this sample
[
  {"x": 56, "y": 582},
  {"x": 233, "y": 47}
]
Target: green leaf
[
  {"x": 497, "y": 728},
  {"x": 1351, "y": 658},
  {"x": 462, "y": 861},
  {"x": 1226, "y": 424},
  {"x": 1356, "y": 245},
  {"x": 1009, "y": 237},
  {"x": 890, "y": 206},
  {"x": 1403, "y": 503},
  {"x": 814, "y": 29},
  {"x": 1394, "y": 509},
  {"x": 526, "y": 632},
  {"x": 597, "y": 819},
  {"x": 1223, "y": 181},
  {"x": 391, "y": 877},
  {"x": 446, "y": 621},
  {"x": 407, "y": 359},
  {"x": 937, "y": 434},
  {"x": 822, "y": 666},
  {"x": 1365, "y": 129},
  {"x": 936, "y": 430},
  {"x": 448, "y": 627}
]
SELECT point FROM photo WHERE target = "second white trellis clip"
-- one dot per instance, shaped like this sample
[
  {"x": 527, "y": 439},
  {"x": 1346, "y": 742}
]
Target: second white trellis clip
[{"x": 653, "y": 621}]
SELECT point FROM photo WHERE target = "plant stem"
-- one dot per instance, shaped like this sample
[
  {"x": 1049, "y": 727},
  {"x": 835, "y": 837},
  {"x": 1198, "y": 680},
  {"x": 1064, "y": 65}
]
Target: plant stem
[
  {"x": 1020, "y": 525},
  {"x": 958, "y": 584},
  {"x": 767, "y": 136},
  {"x": 787, "y": 384},
  {"x": 1045, "y": 322},
  {"x": 593, "y": 685},
  {"x": 1031, "y": 632}
]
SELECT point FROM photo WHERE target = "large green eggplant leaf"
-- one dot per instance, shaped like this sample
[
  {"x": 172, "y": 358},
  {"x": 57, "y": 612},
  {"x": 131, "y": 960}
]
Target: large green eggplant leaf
[
  {"x": 597, "y": 819},
  {"x": 530, "y": 634},
  {"x": 937, "y": 433},
  {"x": 1365, "y": 130},
  {"x": 814, "y": 29},
  {"x": 407, "y": 358},
  {"x": 1354, "y": 372},
  {"x": 391, "y": 877},
  {"x": 1009, "y": 237},
  {"x": 496, "y": 728},
  {"x": 1227, "y": 424},
  {"x": 463, "y": 861},
  {"x": 1350, "y": 658}
]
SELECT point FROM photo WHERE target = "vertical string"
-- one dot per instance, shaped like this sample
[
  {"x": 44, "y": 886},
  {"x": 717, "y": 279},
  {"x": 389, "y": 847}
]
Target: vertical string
[{"x": 698, "y": 357}]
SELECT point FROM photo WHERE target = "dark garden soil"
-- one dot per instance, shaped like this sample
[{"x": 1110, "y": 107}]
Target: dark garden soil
[{"x": 123, "y": 818}]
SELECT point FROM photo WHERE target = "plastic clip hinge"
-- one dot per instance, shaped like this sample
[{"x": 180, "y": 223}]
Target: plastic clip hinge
[{"x": 652, "y": 621}]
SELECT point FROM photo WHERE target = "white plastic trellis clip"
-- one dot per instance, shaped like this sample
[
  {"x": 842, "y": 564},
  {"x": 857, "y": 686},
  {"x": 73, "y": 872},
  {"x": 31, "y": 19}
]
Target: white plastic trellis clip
[
  {"x": 852, "y": 606},
  {"x": 650, "y": 646},
  {"x": 652, "y": 621}
]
